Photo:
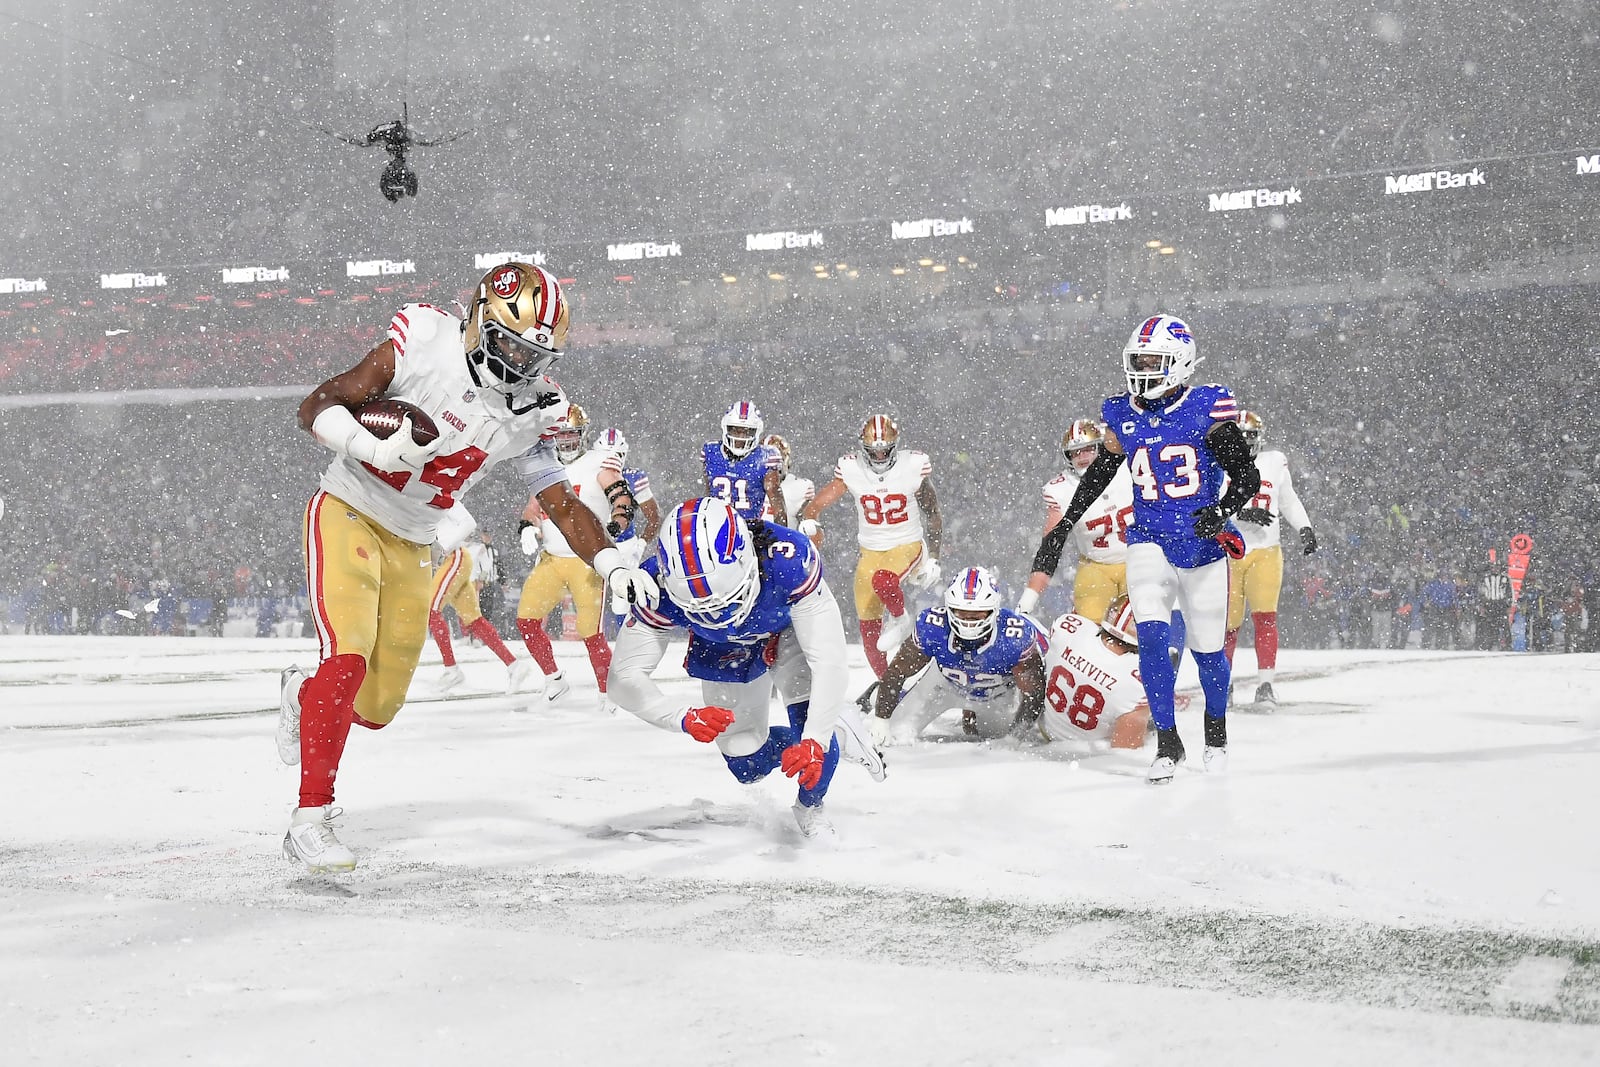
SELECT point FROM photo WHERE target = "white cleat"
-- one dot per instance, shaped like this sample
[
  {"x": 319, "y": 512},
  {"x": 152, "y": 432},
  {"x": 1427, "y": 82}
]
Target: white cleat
[
  {"x": 895, "y": 630},
  {"x": 555, "y": 687},
  {"x": 310, "y": 840},
  {"x": 605, "y": 706},
  {"x": 289, "y": 683},
  {"x": 813, "y": 822},
  {"x": 1216, "y": 759},
  {"x": 449, "y": 678},
  {"x": 1162, "y": 770},
  {"x": 518, "y": 674},
  {"x": 856, "y": 743}
]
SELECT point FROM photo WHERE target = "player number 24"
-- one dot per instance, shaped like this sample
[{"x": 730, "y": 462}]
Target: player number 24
[
  {"x": 445, "y": 473},
  {"x": 1081, "y": 704}
]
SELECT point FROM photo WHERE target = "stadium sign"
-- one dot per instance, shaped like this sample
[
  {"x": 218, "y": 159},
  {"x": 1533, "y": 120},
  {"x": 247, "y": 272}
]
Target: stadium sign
[
  {"x": 1249, "y": 199},
  {"x": 485, "y": 260},
  {"x": 374, "y": 268},
  {"x": 1429, "y": 181},
  {"x": 1084, "y": 214},
  {"x": 643, "y": 250},
  {"x": 778, "y": 240},
  {"x": 1589, "y": 164},
  {"x": 906, "y": 231},
  {"x": 249, "y": 275},
  {"x": 10, "y": 286},
  {"x": 133, "y": 280}
]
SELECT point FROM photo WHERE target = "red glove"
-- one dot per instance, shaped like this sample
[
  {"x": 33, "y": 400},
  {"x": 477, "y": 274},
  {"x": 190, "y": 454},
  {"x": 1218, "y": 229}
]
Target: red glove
[
  {"x": 704, "y": 724},
  {"x": 1231, "y": 543},
  {"x": 803, "y": 762}
]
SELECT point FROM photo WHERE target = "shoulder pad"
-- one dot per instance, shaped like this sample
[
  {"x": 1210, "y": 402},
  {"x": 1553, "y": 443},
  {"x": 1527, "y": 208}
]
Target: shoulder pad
[{"x": 416, "y": 324}]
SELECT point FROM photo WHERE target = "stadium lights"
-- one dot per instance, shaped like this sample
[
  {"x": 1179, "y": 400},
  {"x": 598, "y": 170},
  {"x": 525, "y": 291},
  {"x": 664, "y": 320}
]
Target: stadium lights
[
  {"x": 924, "y": 262},
  {"x": 961, "y": 259},
  {"x": 775, "y": 276},
  {"x": 730, "y": 278},
  {"x": 855, "y": 274},
  {"x": 940, "y": 268},
  {"x": 841, "y": 266},
  {"x": 822, "y": 275},
  {"x": 1153, "y": 244},
  {"x": 1167, "y": 250},
  {"x": 897, "y": 270}
]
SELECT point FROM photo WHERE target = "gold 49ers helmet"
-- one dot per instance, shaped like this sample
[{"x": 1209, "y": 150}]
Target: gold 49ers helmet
[
  {"x": 777, "y": 441},
  {"x": 879, "y": 439},
  {"x": 572, "y": 434},
  {"x": 1250, "y": 426},
  {"x": 1081, "y": 443},
  {"x": 514, "y": 333}
]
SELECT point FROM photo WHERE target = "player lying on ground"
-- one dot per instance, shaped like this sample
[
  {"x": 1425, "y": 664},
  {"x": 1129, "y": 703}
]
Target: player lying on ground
[
  {"x": 1093, "y": 691},
  {"x": 758, "y": 613},
  {"x": 985, "y": 661}
]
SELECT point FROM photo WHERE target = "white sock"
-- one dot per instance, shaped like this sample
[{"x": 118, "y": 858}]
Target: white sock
[{"x": 1266, "y": 675}]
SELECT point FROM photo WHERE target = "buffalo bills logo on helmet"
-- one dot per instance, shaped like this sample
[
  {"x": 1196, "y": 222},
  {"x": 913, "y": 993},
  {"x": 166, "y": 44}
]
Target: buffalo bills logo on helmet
[
  {"x": 506, "y": 282},
  {"x": 1180, "y": 332}
]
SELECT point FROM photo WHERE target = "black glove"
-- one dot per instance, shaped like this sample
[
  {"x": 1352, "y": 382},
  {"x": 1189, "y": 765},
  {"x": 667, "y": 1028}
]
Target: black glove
[
  {"x": 614, "y": 528},
  {"x": 1308, "y": 541},
  {"x": 523, "y": 524},
  {"x": 1256, "y": 516},
  {"x": 1209, "y": 521}
]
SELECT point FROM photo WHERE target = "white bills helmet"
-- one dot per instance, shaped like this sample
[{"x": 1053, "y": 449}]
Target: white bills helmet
[
  {"x": 972, "y": 604},
  {"x": 708, "y": 565},
  {"x": 1159, "y": 357},
  {"x": 741, "y": 429}
]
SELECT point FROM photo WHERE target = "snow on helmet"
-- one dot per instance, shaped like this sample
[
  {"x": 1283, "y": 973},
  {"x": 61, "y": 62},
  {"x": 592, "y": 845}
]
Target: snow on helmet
[
  {"x": 708, "y": 565},
  {"x": 973, "y": 590}
]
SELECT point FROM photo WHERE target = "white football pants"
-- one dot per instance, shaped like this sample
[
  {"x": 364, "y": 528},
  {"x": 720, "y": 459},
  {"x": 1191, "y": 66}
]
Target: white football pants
[
  {"x": 932, "y": 695},
  {"x": 751, "y": 702},
  {"x": 1201, "y": 593}
]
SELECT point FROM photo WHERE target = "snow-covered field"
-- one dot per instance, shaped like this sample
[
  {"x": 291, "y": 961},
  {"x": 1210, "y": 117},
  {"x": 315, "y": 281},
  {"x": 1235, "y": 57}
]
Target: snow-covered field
[{"x": 1402, "y": 866}]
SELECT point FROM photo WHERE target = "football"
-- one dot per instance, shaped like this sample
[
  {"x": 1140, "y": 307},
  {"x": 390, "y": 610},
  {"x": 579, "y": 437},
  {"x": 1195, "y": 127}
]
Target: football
[{"x": 382, "y": 419}]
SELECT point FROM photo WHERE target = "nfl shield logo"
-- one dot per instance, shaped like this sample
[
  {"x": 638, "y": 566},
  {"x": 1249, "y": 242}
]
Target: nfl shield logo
[{"x": 469, "y": 396}]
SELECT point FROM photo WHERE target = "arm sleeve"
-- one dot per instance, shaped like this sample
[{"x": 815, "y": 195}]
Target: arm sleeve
[
  {"x": 1227, "y": 443},
  {"x": 1289, "y": 503},
  {"x": 1096, "y": 480},
  {"x": 540, "y": 468},
  {"x": 640, "y": 649},
  {"x": 819, "y": 628}
]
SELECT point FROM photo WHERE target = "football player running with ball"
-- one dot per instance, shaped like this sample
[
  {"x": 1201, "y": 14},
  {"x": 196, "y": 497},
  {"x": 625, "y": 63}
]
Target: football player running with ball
[
  {"x": 383, "y": 500},
  {"x": 986, "y": 662},
  {"x": 758, "y": 613},
  {"x": 1177, "y": 441}
]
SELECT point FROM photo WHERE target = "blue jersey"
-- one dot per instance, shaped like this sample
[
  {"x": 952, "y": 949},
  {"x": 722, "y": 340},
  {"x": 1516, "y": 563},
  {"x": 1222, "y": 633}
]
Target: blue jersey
[
  {"x": 984, "y": 672},
  {"x": 639, "y": 486},
  {"x": 741, "y": 482},
  {"x": 791, "y": 570},
  {"x": 1174, "y": 472}
]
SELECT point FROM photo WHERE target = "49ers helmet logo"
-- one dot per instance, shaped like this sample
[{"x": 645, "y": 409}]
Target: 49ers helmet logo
[{"x": 506, "y": 282}]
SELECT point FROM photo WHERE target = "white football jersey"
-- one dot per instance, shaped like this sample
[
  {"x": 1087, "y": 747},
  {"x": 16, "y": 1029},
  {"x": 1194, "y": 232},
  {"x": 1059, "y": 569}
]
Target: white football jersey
[
  {"x": 797, "y": 493},
  {"x": 1102, "y": 534},
  {"x": 1088, "y": 686},
  {"x": 584, "y": 474},
  {"x": 887, "y": 512},
  {"x": 476, "y": 430},
  {"x": 1277, "y": 495}
]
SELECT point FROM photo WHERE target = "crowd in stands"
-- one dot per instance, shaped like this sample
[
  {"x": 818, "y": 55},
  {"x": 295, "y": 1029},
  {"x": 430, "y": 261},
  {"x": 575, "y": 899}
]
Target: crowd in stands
[{"x": 1423, "y": 433}]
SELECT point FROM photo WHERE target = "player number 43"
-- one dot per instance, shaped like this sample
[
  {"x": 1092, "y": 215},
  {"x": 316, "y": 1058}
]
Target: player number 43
[{"x": 1185, "y": 480}]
